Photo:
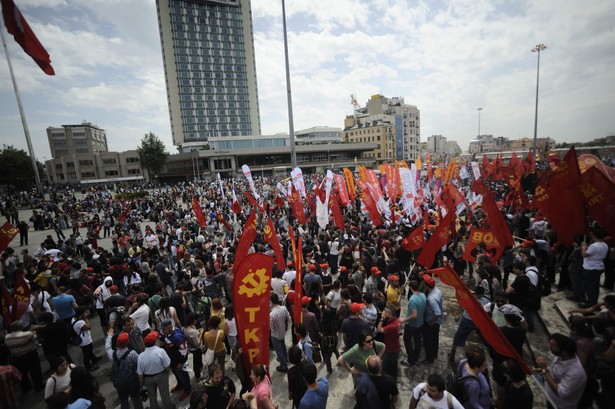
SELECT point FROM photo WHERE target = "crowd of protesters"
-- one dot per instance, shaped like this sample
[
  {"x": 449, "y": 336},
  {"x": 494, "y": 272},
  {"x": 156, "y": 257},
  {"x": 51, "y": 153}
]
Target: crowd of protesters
[{"x": 162, "y": 294}]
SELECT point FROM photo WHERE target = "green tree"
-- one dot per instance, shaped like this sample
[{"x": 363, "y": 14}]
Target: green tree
[
  {"x": 16, "y": 171},
  {"x": 152, "y": 153}
]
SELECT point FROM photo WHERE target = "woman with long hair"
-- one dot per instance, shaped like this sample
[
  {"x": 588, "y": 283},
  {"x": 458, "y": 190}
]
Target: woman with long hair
[
  {"x": 166, "y": 312},
  {"x": 214, "y": 339},
  {"x": 59, "y": 380}
]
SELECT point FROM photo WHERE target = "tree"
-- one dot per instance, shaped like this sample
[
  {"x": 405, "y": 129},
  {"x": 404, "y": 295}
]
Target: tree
[
  {"x": 152, "y": 153},
  {"x": 16, "y": 169}
]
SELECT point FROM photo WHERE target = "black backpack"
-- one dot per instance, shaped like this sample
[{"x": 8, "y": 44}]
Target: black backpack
[
  {"x": 455, "y": 381},
  {"x": 74, "y": 337},
  {"x": 121, "y": 373}
]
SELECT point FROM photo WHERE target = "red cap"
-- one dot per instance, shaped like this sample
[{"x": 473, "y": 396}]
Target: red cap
[
  {"x": 324, "y": 265},
  {"x": 527, "y": 244},
  {"x": 305, "y": 300},
  {"x": 393, "y": 277},
  {"x": 114, "y": 289},
  {"x": 355, "y": 307},
  {"x": 312, "y": 267},
  {"x": 89, "y": 269},
  {"x": 150, "y": 339},
  {"x": 289, "y": 264},
  {"x": 122, "y": 339},
  {"x": 343, "y": 268},
  {"x": 375, "y": 270},
  {"x": 429, "y": 281}
]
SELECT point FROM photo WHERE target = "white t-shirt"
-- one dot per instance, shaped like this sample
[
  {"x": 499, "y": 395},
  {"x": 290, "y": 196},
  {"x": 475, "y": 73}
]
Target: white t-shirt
[
  {"x": 289, "y": 276},
  {"x": 141, "y": 317},
  {"x": 232, "y": 327},
  {"x": 334, "y": 298},
  {"x": 86, "y": 335},
  {"x": 532, "y": 273},
  {"x": 425, "y": 402},
  {"x": 595, "y": 255}
]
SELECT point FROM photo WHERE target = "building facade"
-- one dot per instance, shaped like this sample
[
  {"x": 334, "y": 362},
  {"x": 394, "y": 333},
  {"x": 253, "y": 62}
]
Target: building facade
[
  {"x": 436, "y": 144},
  {"x": 82, "y": 139},
  {"x": 319, "y": 134},
  {"x": 381, "y": 116},
  {"x": 210, "y": 68},
  {"x": 103, "y": 167}
]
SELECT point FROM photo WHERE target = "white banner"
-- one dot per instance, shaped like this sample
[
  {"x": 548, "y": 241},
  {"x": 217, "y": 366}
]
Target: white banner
[
  {"x": 476, "y": 170},
  {"x": 297, "y": 178},
  {"x": 248, "y": 175},
  {"x": 463, "y": 172},
  {"x": 322, "y": 213},
  {"x": 221, "y": 185},
  {"x": 407, "y": 184},
  {"x": 282, "y": 189},
  {"x": 328, "y": 183}
]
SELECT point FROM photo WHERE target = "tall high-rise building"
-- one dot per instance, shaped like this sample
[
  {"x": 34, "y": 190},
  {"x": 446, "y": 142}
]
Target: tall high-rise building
[{"x": 210, "y": 68}]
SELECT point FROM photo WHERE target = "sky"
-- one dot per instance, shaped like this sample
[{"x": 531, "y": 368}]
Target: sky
[{"x": 447, "y": 57}]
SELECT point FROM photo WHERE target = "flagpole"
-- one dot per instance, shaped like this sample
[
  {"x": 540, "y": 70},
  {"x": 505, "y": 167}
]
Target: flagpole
[
  {"x": 291, "y": 129},
  {"x": 39, "y": 186}
]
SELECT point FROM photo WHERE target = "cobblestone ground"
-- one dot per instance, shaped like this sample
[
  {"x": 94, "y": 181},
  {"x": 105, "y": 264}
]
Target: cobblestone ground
[{"x": 341, "y": 388}]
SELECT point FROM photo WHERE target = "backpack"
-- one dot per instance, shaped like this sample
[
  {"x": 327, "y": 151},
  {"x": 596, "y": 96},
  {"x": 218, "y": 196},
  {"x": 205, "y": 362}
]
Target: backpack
[
  {"x": 455, "y": 381},
  {"x": 121, "y": 373},
  {"x": 119, "y": 320},
  {"x": 75, "y": 338},
  {"x": 449, "y": 398}
]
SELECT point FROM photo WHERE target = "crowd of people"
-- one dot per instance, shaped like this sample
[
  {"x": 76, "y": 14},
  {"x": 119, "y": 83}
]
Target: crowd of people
[{"x": 162, "y": 294}]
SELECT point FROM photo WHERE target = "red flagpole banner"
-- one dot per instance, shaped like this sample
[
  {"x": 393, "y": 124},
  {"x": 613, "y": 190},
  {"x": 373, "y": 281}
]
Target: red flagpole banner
[
  {"x": 21, "y": 295},
  {"x": 196, "y": 208},
  {"x": 124, "y": 214},
  {"x": 370, "y": 203},
  {"x": 415, "y": 240},
  {"x": 599, "y": 194},
  {"x": 491, "y": 242},
  {"x": 338, "y": 217},
  {"x": 248, "y": 234},
  {"x": 483, "y": 321},
  {"x": 494, "y": 217},
  {"x": 297, "y": 255},
  {"x": 7, "y": 234},
  {"x": 352, "y": 191},
  {"x": 441, "y": 236},
  {"x": 272, "y": 239},
  {"x": 17, "y": 25},
  {"x": 296, "y": 206},
  {"x": 251, "y": 287},
  {"x": 223, "y": 222}
]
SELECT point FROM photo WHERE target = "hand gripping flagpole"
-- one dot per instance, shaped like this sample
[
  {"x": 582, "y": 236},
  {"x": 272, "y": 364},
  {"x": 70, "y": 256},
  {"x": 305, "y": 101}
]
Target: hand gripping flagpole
[{"x": 39, "y": 186}]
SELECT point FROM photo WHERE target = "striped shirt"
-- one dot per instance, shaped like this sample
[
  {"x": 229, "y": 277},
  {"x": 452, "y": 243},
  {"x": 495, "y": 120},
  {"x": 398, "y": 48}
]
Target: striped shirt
[
  {"x": 20, "y": 342},
  {"x": 280, "y": 320}
]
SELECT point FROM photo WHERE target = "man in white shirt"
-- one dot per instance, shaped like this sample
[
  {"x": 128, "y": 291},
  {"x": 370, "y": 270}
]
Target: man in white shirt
[
  {"x": 432, "y": 395},
  {"x": 290, "y": 273},
  {"x": 593, "y": 264},
  {"x": 153, "y": 370}
]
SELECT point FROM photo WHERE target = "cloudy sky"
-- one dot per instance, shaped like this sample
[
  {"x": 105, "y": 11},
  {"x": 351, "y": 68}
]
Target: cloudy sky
[{"x": 447, "y": 57}]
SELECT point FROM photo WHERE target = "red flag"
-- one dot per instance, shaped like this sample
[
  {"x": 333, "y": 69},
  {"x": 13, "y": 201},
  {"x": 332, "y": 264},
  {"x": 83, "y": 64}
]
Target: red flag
[
  {"x": 370, "y": 203},
  {"x": 482, "y": 236},
  {"x": 124, "y": 214},
  {"x": 297, "y": 206},
  {"x": 565, "y": 205},
  {"x": 415, "y": 240},
  {"x": 441, "y": 236},
  {"x": 341, "y": 188},
  {"x": 541, "y": 195},
  {"x": 223, "y": 222},
  {"x": 271, "y": 238},
  {"x": 338, "y": 218},
  {"x": 251, "y": 287},
  {"x": 451, "y": 197},
  {"x": 196, "y": 208},
  {"x": 530, "y": 163},
  {"x": 516, "y": 164},
  {"x": 599, "y": 194},
  {"x": 17, "y": 25},
  {"x": 481, "y": 319},
  {"x": 297, "y": 256},
  {"x": 254, "y": 203},
  {"x": 235, "y": 205},
  {"x": 245, "y": 241},
  {"x": 7, "y": 303},
  {"x": 487, "y": 167},
  {"x": 7, "y": 234},
  {"x": 21, "y": 295},
  {"x": 498, "y": 225}
]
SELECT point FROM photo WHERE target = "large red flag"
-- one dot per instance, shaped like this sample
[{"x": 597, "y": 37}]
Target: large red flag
[
  {"x": 248, "y": 234},
  {"x": 254, "y": 203},
  {"x": 251, "y": 287},
  {"x": 271, "y": 238},
  {"x": 370, "y": 203},
  {"x": 415, "y": 240},
  {"x": 451, "y": 197},
  {"x": 223, "y": 222},
  {"x": 21, "y": 295},
  {"x": 498, "y": 225},
  {"x": 541, "y": 195},
  {"x": 7, "y": 234},
  {"x": 565, "y": 207},
  {"x": 338, "y": 218},
  {"x": 482, "y": 236},
  {"x": 341, "y": 188},
  {"x": 481, "y": 319},
  {"x": 17, "y": 25},
  {"x": 196, "y": 208},
  {"x": 296, "y": 206},
  {"x": 516, "y": 164},
  {"x": 599, "y": 194},
  {"x": 441, "y": 236}
]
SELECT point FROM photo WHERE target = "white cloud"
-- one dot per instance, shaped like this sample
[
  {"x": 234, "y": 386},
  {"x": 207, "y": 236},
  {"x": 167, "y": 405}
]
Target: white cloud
[{"x": 447, "y": 58}]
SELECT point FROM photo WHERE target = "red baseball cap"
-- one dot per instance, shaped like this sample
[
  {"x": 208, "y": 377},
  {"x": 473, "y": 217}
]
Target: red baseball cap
[
  {"x": 355, "y": 307},
  {"x": 305, "y": 300}
]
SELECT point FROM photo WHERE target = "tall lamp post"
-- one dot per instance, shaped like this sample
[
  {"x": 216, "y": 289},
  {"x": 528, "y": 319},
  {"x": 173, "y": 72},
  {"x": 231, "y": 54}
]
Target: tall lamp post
[
  {"x": 479, "y": 109},
  {"x": 537, "y": 49},
  {"x": 291, "y": 130}
]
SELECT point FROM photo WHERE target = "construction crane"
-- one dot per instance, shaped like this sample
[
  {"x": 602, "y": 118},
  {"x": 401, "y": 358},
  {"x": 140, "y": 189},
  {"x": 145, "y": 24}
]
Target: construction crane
[{"x": 353, "y": 101}]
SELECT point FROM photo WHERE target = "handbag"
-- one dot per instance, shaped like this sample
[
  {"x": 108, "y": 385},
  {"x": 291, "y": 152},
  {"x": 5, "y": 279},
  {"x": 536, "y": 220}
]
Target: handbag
[
  {"x": 316, "y": 356},
  {"x": 209, "y": 356}
]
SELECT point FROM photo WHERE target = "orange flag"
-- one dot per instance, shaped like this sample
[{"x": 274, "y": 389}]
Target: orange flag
[{"x": 352, "y": 190}]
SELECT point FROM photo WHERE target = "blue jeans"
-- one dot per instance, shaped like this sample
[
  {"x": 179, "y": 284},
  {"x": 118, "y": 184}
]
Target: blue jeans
[
  {"x": 413, "y": 342},
  {"x": 280, "y": 351}
]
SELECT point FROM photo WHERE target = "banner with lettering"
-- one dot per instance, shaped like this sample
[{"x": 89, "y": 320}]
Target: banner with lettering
[
  {"x": 297, "y": 177},
  {"x": 248, "y": 174},
  {"x": 251, "y": 287},
  {"x": 494, "y": 249},
  {"x": 341, "y": 189},
  {"x": 7, "y": 234},
  {"x": 21, "y": 295},
  {"x": 352, "y": 190}
]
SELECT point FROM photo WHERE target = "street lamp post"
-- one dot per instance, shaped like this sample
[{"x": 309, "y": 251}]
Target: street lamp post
[
  {"x": 537, "y": 49},
  {"x": 291, "y": 130},
  {"x": 479, "y": 109}
]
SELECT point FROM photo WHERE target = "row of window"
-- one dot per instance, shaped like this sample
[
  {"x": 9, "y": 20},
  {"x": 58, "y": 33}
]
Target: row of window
[{"x": 210, "y": 129}]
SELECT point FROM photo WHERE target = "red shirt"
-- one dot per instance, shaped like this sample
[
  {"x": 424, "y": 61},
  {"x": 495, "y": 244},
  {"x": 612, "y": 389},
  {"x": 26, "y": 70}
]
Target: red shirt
[{"x": 391, "y": 335}]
